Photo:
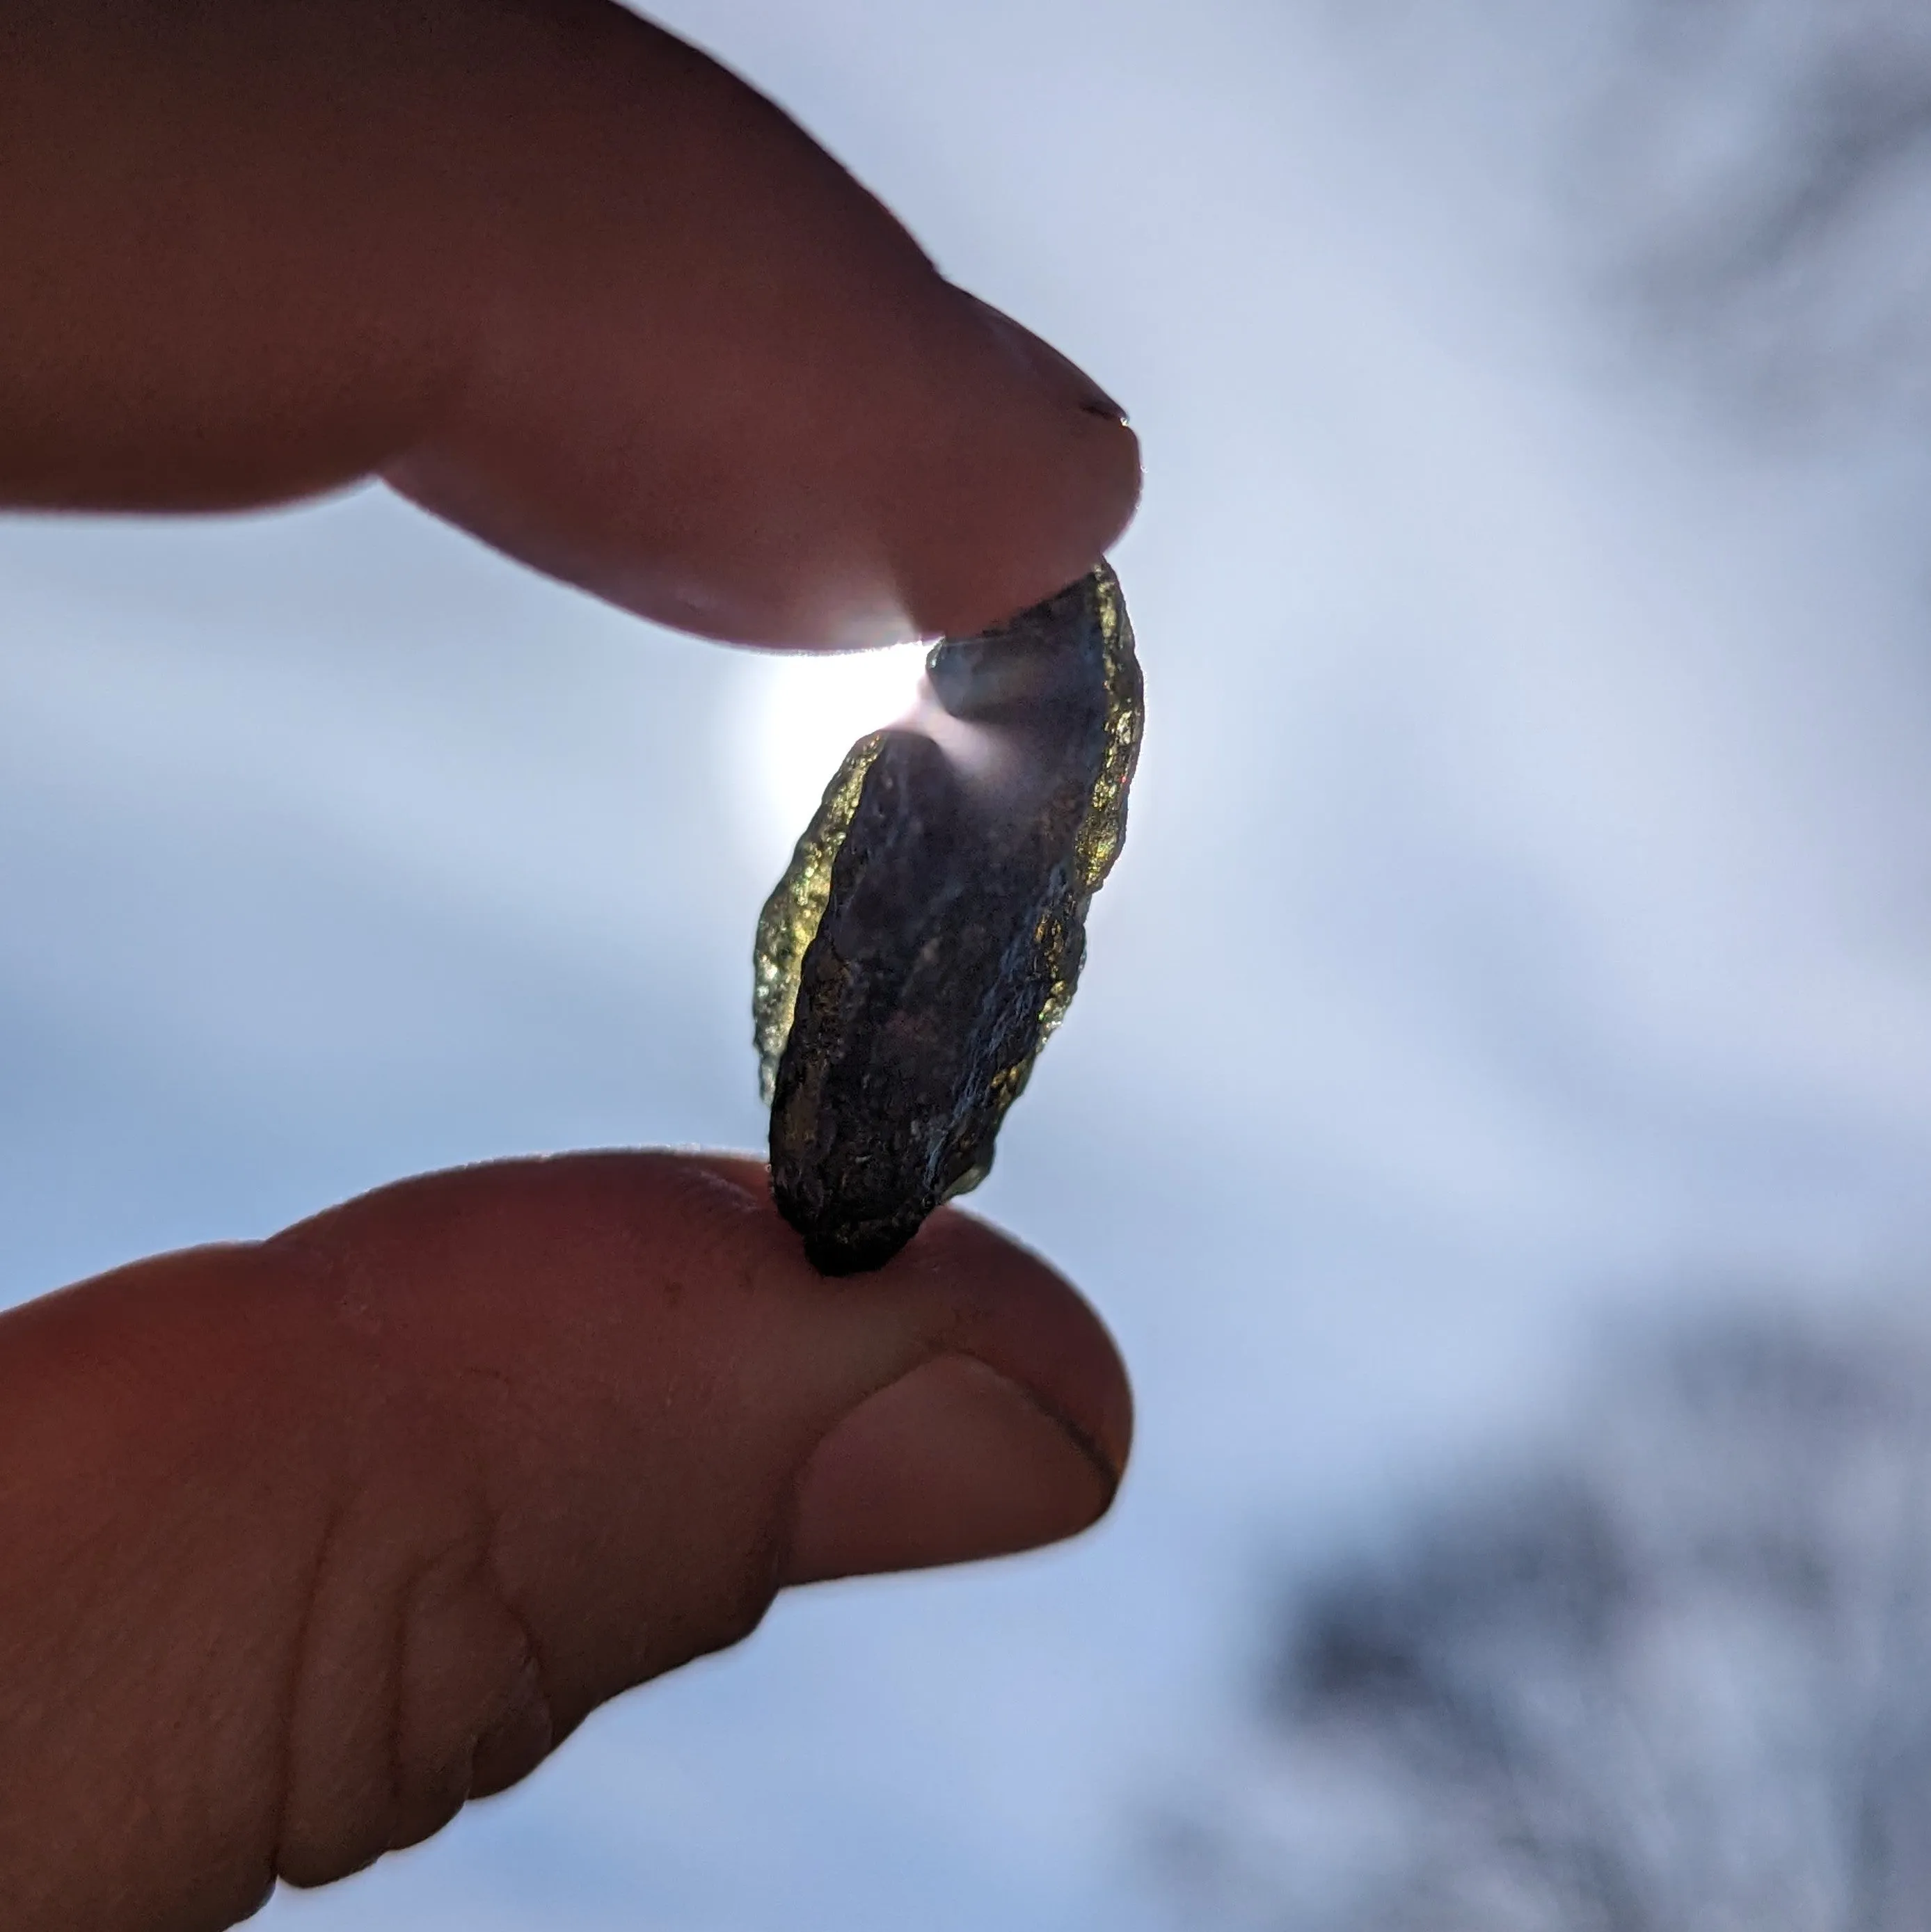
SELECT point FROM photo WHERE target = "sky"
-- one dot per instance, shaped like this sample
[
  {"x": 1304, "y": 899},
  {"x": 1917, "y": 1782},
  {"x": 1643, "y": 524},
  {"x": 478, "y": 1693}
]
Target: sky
[{"x": 1522, "y": 927}]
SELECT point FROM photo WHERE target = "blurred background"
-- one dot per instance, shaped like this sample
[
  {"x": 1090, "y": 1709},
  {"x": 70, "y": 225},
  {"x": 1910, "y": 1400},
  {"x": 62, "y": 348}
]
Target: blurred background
[{"x": 1497, "y": 1118}]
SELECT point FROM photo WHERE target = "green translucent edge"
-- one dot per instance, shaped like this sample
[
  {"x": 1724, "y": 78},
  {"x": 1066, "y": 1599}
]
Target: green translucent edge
[
  {"x": 1061, "y": 934},
  {"x": 789, "y": 923}
]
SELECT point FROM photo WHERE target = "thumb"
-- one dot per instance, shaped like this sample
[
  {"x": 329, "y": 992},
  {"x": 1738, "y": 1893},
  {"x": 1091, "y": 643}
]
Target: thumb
[{"x": 312, "y": 1541}]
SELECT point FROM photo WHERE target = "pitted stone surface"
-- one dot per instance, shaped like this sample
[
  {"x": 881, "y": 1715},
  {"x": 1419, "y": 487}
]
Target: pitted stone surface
[{"x": 928, "y": 933}]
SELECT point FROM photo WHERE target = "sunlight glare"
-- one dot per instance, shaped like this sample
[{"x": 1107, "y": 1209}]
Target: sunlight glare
[{"x": 803, "y": 714}]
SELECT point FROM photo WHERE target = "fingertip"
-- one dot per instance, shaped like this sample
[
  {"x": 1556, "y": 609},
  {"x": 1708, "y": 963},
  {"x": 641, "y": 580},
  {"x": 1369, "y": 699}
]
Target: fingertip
[
  {"x": 979, "y": 1293},
  {"x": 1044, "y": 509},
  {"x": 1059, "y": 373},
  {"x": 1013, "y": 1433},
  {"x": 1046, "y": 473},
  {"x": 1000, "y": 473},
  {"x": 950, "y": 1464},
  {"x": 1016, "y": 1312}
]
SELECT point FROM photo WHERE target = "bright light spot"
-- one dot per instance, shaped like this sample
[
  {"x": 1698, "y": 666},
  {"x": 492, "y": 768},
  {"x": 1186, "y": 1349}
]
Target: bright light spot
[{"x": 801, "y": 715}]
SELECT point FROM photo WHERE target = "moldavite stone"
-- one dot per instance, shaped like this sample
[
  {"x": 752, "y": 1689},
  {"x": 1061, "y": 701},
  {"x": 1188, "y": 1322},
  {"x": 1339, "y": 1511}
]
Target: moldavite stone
[{"x": 930, "y": 930}]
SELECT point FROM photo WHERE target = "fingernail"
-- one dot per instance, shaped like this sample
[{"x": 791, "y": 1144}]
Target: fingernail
[
  {"x": 951, "y": 1463},
  {"x": 1045, "y": 364}
]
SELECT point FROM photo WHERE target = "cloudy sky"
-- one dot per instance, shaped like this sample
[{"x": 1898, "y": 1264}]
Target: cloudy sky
[{"x": 1524, "y": 918}]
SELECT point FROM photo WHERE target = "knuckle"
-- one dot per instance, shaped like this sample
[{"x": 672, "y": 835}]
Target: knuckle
[{"x": 416, "y": 1686}]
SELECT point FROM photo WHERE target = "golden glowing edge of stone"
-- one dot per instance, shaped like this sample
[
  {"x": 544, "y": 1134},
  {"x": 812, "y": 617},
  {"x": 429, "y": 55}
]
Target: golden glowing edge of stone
[{"x": 790, "y": 920}]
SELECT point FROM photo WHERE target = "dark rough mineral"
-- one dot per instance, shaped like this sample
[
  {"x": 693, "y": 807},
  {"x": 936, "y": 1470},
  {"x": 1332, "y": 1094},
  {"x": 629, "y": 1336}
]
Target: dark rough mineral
[{"x": 928, "y": 934}]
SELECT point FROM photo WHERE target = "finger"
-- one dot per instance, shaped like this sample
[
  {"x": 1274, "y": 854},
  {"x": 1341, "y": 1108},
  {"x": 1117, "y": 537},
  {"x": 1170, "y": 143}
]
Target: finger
[
  {"x": 308, "y": 1542},
  {"x": 554, "y": 274}
]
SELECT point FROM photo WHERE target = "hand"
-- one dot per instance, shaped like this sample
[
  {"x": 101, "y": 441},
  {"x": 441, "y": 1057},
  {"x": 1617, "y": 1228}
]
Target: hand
[{"x": 308, "y": 1541}]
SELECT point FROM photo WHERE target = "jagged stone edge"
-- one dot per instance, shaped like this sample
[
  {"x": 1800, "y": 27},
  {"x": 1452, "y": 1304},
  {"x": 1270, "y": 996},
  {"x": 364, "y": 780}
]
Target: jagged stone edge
[
  {"x": 1061, "y": 934},
  {"x": 791, "y": 915}
]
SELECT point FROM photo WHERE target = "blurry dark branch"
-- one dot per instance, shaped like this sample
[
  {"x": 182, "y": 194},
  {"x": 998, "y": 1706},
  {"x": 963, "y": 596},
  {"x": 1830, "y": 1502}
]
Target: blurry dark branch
[
  {"x": 1758, "y": 167},
  {"x": 1870, "y": 121},
  {"x": 1682, "y": 1677},
  {"x": 1851, "y": 108}
]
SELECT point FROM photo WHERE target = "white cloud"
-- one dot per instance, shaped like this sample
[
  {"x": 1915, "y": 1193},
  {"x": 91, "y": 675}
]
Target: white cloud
[{"x": 1523, "y": 906}]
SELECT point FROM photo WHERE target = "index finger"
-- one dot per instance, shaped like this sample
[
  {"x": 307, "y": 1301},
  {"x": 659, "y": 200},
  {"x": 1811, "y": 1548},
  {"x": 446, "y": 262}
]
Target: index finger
[{"x": 550, "y": 272}]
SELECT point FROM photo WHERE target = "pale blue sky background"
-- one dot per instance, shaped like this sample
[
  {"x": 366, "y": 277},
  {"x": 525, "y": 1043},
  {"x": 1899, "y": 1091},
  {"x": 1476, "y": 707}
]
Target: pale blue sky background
[{"x": 1524, "y": 915}]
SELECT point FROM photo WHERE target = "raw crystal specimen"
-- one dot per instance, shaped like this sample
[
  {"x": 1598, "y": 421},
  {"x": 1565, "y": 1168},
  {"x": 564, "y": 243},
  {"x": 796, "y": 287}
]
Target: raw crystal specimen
[{"x": 930, "y": 930}]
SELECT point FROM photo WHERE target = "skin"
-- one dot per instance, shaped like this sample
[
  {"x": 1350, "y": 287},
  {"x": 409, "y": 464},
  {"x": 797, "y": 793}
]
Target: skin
[{"x": 309, "y": 1541}]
